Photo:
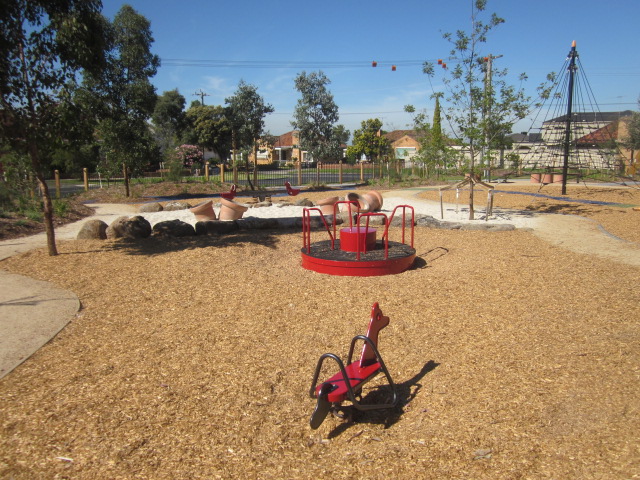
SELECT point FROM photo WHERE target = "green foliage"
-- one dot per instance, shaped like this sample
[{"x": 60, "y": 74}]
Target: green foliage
[
  {"x": 368, "y": 140},
  {"x": 43, "y": 45},
  {"x": 482, "y": 106},
  {"x": 315, "y": 116},
  {"x": 209, "y": 128},
  {"x": 60, "y": 208},
  {"x": 169, "y": 119},
  {"x": 246, "y": 114},
  {"x": 122, "y": 96},
  {"x": 632, "y": 140}
]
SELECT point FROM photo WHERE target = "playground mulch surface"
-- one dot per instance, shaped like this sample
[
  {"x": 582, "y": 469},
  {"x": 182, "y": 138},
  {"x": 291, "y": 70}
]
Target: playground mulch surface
[{"x": 192, "y": 358}]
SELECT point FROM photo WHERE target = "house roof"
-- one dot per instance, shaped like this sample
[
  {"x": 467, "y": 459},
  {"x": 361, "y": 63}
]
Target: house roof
[
  {"x": 286, "y": 139},
  {"x": 604, "y": 134},
  {"x": 584, "y": 117},
  {"x": 398, "y": 134},
  {"x": 525, "y": 137}
]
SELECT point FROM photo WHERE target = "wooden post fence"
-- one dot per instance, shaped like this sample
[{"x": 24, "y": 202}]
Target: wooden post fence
[
  {"x": 85, "y": 176},
  {"x": 56, "y": 174}
]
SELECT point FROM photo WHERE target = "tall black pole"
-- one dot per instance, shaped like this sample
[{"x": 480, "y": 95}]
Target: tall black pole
[{"x": 567, "y": 130}]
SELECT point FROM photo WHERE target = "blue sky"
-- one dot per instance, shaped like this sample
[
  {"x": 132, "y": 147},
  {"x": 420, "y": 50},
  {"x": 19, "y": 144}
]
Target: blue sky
[{"x": 342, "y": 38}]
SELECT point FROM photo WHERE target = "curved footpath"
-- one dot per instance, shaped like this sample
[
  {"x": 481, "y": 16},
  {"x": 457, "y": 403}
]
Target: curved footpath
[{"x": 32, "y": 312}]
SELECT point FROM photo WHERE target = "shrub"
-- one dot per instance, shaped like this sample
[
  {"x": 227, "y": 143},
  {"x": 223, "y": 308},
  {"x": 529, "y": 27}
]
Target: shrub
[{"x": 60, "y": 208}]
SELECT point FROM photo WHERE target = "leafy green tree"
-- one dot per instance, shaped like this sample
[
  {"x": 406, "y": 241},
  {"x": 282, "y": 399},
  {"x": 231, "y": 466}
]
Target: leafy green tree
[
  {"x": 433, "y": 151},
  {"x": 632, "y": 140},
  {"x": 169, "y": 119},
  {"x": 246, "y": 113},
  {"x": 342, "y": 134},
  {"x": 315, "y": 115},
  {"x": 368, "y": 140},
  {"x": 123, "y": 96},
  {"x": 209, "y": 128},
  {"x": 43, "y": 45},
  {"x": 483, "y": 107}
]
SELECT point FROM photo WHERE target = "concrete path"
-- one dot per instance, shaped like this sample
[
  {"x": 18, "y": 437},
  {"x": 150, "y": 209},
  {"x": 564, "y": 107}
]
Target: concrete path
[{"x": 32, "y": 312}]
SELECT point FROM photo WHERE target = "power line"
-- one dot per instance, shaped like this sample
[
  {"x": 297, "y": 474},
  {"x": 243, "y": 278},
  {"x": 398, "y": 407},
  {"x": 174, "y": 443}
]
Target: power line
[{"x": 184, "y": 62}]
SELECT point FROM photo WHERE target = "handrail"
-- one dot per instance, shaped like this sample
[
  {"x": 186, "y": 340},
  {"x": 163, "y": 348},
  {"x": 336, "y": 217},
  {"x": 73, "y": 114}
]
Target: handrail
[
  {"x": 404, "y": 221},
  {"x": 306, "y": 228},
  {"x": 368, "y": 215}
]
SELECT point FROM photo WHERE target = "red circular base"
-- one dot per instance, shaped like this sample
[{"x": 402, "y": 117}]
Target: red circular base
[{"x": 322, "y": 259}]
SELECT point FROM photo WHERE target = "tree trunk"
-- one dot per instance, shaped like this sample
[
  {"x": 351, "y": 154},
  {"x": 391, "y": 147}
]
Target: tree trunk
[
  {"x": 471, "y": 181},
  {"x": 46, "y": 197},
  {"x": 48, "y": 216}
]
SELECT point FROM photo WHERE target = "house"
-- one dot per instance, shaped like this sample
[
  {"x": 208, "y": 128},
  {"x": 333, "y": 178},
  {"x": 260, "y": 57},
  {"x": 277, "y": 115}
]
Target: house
[
  {"x": 285, "y": 150},
  {"x": 405, "y": 143}
]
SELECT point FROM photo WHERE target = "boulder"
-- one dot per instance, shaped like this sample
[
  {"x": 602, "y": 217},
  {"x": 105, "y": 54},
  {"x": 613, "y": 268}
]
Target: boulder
[
  {"x": 304, "y": 202},
  {"x": 215, "y": 227},
  {"x": 254, "y": 223},
  {"x": 150, "y": 207},
  {"x": 131, "y": 228},
  {"x": 173, "y": 228},
  {"x": 93, "y": 230},
  {"x": 176, "y": 205}
]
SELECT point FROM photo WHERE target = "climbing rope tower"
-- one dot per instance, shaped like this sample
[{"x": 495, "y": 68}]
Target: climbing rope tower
[{"x": 577, "y": 139}]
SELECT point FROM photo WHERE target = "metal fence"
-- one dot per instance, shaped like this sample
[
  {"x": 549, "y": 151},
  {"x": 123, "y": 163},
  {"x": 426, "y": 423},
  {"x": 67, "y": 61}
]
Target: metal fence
[{"x": 257, "y": 179}]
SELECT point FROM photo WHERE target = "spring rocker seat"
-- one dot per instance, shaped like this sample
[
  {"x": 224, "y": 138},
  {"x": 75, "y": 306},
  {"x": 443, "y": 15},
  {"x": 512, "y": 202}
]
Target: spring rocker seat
[
  {"x": 231, "y": 194},
  {"x": 332, "y": 392},
  {"x": 290, "y": 190}
]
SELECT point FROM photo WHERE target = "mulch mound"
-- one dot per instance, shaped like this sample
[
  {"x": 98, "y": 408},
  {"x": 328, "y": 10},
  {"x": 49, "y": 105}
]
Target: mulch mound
[{"x": 193, "y": 358}]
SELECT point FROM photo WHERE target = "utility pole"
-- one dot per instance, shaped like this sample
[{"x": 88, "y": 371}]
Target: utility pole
[{"x": 201, "y": 94}]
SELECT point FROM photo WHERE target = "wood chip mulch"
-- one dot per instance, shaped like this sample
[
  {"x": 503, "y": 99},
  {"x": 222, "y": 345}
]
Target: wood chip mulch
[{"x": 192, "y": 358}]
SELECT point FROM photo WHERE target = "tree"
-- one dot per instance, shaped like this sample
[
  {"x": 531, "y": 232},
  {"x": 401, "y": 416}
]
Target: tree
[
  {"x": 209, "y": 128},
  {"x": 368, "y": 141},
  {"x": 483, "y": 107},
  {"x": 433, "y": 151},
  {"x": 123, "y": 96},
  {"x": 169, "y": 119},
  {"x": 632, "y": 140},
  {"x": 342, "y": 134},
  {"x": 315, "y": 115},
  {"x": 246, "y": 113},
  {"x": 43, "y": 45}
]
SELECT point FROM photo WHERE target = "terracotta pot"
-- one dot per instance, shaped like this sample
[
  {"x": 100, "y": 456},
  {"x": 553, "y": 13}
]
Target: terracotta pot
[
  {"x": 378, "y": 195},
  {"x": 535, "y": 178},
  {"x": 557, "y": 178},
  {"x": 354, "y": 197},
  {"x": 326, "y": 205},
  {"x": 372, "y": 200},
  {"x": 204, "y": 211},
  {"x": 231, "y": 210},
  {"x": 547, "y": 178}
]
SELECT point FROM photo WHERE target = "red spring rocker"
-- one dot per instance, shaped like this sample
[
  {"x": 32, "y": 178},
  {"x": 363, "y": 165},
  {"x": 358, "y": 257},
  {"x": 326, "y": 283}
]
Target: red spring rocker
[
  {"x": 290, "y": 190},
  {"x": 332, "y": 392},
  {"x": 231, "y": 194}
]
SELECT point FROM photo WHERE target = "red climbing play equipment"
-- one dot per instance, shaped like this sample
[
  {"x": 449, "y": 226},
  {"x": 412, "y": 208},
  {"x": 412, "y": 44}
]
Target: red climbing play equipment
[
  {"x": 356, "y": 251},
  {"x": 348, "y": 382}
]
